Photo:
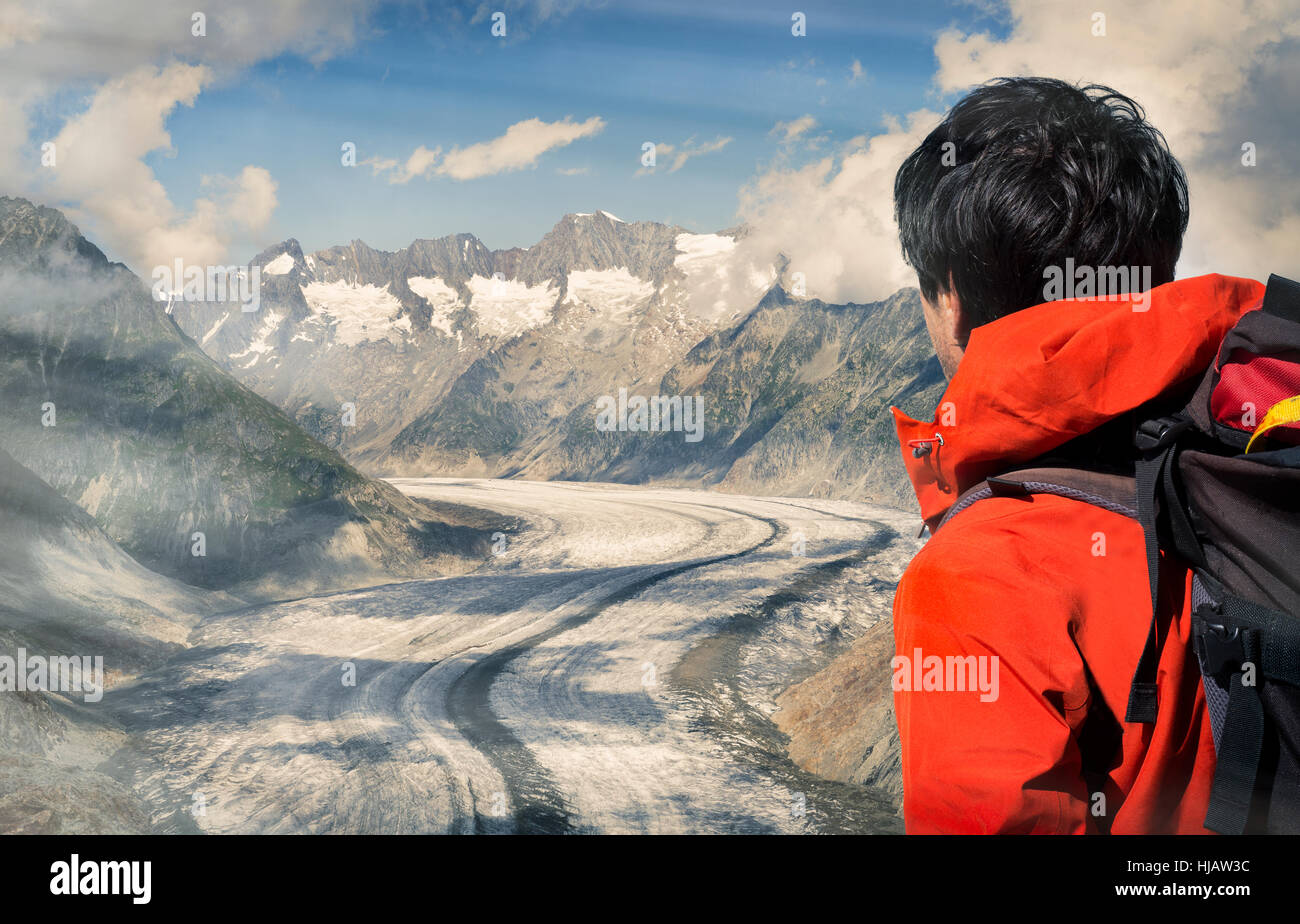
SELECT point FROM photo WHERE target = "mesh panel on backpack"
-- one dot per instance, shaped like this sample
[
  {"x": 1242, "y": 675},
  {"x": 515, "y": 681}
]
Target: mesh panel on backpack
[{"x": 1216, "y": 693}]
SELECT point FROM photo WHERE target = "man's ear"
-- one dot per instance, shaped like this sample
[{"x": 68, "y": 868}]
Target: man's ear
[{"x": 955, "y": 319}]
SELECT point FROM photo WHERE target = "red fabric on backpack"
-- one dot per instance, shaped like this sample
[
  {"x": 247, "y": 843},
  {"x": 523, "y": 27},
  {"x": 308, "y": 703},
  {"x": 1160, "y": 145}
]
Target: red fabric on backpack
[
  {"x": 1023, "y": 580},
  {"x": 1261, "y": 382}
]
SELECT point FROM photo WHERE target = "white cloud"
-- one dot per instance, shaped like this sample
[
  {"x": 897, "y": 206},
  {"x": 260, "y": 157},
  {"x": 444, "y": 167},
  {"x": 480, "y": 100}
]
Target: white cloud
[
  {"x": 18, "y": 24},
  {"x": 101, "y": 170},
  {"x": 524, "y": 16},
  {"x": 56, "y": 40},
  {"x": 520, "y": 147},
  {"x": 124, "y": 56},
  {"x": 419, "y": 163},
  {"x": 856, "y": 71},
  {"x": 1210, "y": 75},
  {"x": 834, "y": 217}
]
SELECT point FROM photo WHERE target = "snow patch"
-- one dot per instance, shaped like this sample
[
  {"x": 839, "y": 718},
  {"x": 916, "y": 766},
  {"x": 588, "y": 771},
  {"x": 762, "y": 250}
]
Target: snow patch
[
  {"x": 215, "y": 327},
  {"x": 357, "y": 313},
  {"x": 262, "y": 339},
  {"x": 442, "y": 298},
  {"x": 506, "y": 307},
  {"x": 279, "y": 266},
  {"x": 693, "y": 248},
  {"x": 99, "y": 490},
  {"x": 614, "y": 291}
]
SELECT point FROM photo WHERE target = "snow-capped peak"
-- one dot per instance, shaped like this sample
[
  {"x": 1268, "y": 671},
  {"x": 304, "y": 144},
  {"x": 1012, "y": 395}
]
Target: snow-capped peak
[{"x": 610, "y": 215}]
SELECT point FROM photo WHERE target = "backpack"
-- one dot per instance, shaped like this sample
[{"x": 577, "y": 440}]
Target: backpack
[{"x": 1215, "y": 485}]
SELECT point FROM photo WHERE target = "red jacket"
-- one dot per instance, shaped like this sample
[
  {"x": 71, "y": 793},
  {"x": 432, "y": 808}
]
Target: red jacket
[{"x": 1022, "y": 580}]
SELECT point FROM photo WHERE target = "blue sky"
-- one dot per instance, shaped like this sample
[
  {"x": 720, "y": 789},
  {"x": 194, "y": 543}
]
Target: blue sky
[
  {"x": 212, "y": 148},
  {"x": 426, "y": 75}
]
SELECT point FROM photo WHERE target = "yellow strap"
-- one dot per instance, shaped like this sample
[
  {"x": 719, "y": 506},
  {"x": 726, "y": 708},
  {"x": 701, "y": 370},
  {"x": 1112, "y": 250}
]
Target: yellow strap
[{"x": 1286, "y": 411}]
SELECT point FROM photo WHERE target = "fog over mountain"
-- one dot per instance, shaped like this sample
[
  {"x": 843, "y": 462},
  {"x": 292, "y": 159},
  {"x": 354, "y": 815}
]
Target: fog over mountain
[{"x": 112, "y": 405}]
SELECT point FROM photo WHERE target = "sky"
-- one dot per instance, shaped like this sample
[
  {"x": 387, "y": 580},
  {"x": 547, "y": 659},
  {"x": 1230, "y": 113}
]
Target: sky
[
  {"x": 211, "y": 147},
  {"x": 647, "y": 72}
]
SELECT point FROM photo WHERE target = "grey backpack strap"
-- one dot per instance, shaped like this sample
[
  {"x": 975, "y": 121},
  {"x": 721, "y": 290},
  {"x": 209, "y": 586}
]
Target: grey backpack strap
[{"x": 1113, "y": 492}]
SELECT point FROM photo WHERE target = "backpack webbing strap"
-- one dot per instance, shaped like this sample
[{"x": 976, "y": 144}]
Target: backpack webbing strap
[
  {"x": 1240, "y": 747},
  {"x": 1098, "y": 489},
  {"x": 1234, "y": 634},
  {"x": 1155, "y": 483},
  {"x": 1142, "y": 704}
]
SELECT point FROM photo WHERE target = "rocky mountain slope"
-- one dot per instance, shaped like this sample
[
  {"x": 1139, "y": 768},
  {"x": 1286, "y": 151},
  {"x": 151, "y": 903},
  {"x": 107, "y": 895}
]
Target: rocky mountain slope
[
  {"x": 67, "y": 590},
  {"x": 840, "y": 721},
  {"x": 109, "y": 402},
  {"x": 796, "y": 401},
  {"x": 66, "y": 586},
  {"x": 456, "y": 359}
]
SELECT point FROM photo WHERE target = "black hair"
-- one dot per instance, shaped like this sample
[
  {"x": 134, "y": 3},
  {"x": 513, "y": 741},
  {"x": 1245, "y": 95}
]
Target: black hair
[{"x": 1026, "y": 171}]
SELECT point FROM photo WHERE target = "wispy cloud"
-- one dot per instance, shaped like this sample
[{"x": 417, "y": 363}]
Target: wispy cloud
[
  {"x": 794, "y": 129},
  {"x": 676, "y": 156},
  {"x": 520, "y": 147},
  {"x": 524, "y": 17}
]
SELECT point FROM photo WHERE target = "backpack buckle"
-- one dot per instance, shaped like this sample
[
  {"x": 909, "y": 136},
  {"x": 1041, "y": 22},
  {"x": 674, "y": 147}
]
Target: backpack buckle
[
  {"x": 1220, "y": 647},
  {"x": 1153, "y": 435}
]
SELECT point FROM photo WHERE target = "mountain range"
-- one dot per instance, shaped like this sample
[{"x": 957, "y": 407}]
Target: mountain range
[{"x": 450, "y": 358}]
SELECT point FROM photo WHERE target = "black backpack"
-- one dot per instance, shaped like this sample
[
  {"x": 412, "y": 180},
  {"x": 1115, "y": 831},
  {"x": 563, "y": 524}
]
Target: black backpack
[{"x": 1216, "y": 485}]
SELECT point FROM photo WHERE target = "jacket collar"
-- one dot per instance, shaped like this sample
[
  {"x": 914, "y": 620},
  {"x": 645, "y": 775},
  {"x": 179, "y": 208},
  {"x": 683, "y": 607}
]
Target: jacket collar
[{"x": 1035, "y": 379}]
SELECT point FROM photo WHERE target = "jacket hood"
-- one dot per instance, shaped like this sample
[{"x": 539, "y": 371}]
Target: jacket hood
[{"x": 1033, "y": 380}]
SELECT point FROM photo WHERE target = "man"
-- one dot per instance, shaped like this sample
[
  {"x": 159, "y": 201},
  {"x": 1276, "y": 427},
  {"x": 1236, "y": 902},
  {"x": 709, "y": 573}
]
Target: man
[{"x": 1045, "y": 599}]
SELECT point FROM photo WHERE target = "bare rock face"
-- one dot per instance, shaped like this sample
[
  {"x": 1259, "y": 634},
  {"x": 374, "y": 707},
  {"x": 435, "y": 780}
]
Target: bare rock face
[
  {"x": 840, "y": 721},
  {"x": 797, "y": 397}
]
